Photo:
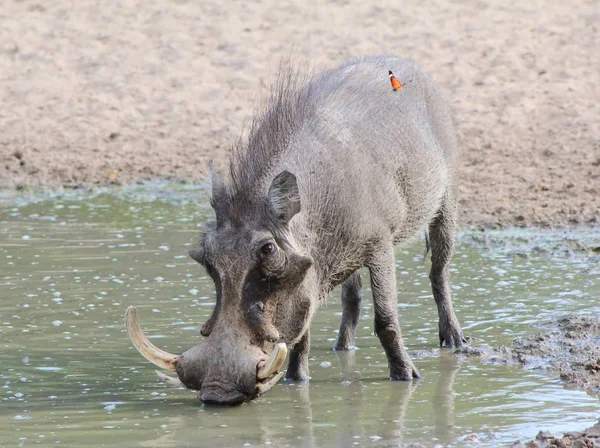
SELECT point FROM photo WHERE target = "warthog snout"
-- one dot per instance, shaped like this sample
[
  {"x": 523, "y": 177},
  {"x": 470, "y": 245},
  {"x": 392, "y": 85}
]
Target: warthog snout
[{"x": 228, "y": 373}]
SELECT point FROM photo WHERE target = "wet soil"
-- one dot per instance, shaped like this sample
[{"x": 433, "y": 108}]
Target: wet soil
[
  {"x": 573, "y": 350},
  {"x": 590, "y": 438},
  {"x": 570, "y": 349}
]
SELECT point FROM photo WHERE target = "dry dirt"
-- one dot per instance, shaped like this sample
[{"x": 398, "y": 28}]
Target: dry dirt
[{"x": 134, "y": 90}]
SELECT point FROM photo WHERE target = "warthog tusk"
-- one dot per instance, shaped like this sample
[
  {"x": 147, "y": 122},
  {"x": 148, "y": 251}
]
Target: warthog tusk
[
  {"x": 274, "y": 362},
  {"x": 169, "y": 379},
  {"x": 152, "y": 353},
  {"x": 265, "y": 387}
]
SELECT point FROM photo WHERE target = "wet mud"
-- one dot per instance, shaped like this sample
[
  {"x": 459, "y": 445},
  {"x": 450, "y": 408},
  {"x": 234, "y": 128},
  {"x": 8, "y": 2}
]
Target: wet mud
[
  {"x": 569, "y": 348},
  {"x": 590, "y": 438}
]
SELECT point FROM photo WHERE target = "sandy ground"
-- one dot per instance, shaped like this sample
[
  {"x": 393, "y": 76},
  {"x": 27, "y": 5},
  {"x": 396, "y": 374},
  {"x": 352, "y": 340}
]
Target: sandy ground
[{"x": 132, "y": 90}]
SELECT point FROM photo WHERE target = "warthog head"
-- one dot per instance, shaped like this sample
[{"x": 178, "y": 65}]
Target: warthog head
[{"x": 265, "y": 296}]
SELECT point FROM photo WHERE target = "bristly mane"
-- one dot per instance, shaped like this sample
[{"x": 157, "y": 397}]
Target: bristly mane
[{"x": 289, "y": 105}]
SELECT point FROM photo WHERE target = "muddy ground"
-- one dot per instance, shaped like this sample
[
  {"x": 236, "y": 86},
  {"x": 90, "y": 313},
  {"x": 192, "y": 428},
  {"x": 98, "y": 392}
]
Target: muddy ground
[
  {"x": 569, "y": 349},
  {"x": 590, "y": 438},
  {"x": 99, "y": 92}
]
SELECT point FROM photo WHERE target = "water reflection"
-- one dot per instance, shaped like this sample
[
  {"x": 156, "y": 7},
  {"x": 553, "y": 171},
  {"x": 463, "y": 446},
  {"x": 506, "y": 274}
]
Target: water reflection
[
  {"x": 389, "y": 406},
  {"x": 443, "y": 398}
]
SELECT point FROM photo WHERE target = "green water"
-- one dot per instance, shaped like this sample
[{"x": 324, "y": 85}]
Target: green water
[{"x": 71, "y": 264}]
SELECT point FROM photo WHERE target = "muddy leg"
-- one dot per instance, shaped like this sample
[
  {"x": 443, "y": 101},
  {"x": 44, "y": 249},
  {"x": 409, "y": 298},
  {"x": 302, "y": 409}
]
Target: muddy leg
[
  {"x": 298, "y": 364},
  {"x": 441, "y": 233},
  {"x": 383, "y": 284},
  {"x": 351, "y": 298}
]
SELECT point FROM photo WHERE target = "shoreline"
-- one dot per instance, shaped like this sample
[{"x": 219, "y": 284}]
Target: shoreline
[{"x": 468, "y": 218}]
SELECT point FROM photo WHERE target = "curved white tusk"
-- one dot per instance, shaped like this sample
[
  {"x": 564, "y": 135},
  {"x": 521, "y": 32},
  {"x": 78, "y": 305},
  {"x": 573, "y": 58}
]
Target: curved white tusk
[
  {"x": 274, "y": 363},
  {"x": 169, "y": 379},
  {"x": 152, "y": 353},
  {"x": 265, "y": 387}
]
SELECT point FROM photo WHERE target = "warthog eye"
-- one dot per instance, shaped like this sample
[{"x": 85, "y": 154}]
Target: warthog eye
[{"x": 268, "y": 248}]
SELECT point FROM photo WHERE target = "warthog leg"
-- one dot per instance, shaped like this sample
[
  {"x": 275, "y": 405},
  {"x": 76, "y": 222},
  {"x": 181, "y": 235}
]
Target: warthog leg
[
  {"x": 383, "y": 283},
  {"x": 351, "y": 299},
  {"x": 441, "y": 232},
  {"x": 298, "y": 365}
]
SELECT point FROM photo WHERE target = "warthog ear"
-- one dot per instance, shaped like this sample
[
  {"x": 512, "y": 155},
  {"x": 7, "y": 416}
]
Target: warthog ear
[{"x": 284, "y": 196}]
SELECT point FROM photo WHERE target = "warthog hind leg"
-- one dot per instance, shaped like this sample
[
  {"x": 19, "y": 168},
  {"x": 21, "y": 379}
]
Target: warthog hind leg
[
  {"x": 441, "y": 232},
  {"x": 351, "y": 299}
]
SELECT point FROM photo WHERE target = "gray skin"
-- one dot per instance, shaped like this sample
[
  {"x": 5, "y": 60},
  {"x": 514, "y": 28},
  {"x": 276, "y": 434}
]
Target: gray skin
[{"x": 337, "y": 171}]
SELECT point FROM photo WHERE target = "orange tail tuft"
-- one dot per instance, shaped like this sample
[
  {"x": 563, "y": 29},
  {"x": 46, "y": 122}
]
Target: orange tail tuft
[{"x": 396, "y": 85}]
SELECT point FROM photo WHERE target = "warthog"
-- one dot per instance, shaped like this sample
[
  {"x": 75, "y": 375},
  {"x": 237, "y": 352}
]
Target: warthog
[{"x": 336, "y": 171}]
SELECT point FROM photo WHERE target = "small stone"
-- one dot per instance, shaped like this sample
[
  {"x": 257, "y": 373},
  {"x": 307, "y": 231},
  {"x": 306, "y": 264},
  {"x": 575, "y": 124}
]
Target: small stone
[
  {"x": 560, "y": 443},
  {"x": 574, "y": 434},
  {"x": 533, "y": 444},
  {"x": 471, "y": 438},
  {"x": 544, "y": 435}
]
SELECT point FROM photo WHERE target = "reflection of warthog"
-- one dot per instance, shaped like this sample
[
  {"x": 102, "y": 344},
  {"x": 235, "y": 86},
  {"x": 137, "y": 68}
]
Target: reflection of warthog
[
  {"x": 330, "y": 415},
  {"x": 334, "y": 174}
]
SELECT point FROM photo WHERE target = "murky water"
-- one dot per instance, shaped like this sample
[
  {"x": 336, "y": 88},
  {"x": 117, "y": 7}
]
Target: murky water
[{"x": 72, "y": 263}]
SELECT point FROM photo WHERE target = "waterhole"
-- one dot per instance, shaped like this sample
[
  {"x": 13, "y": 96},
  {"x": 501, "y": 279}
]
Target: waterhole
[{"x": 73, "y": 261}]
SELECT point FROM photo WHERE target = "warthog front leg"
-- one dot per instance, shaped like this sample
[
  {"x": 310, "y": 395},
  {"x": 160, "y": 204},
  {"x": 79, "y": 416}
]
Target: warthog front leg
[
  {"x": 441, "y": 233},
  {"x": 383, "y": 284},
  {"x": 298, "y": 364},
  {"x": 351, "y": 298}
]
